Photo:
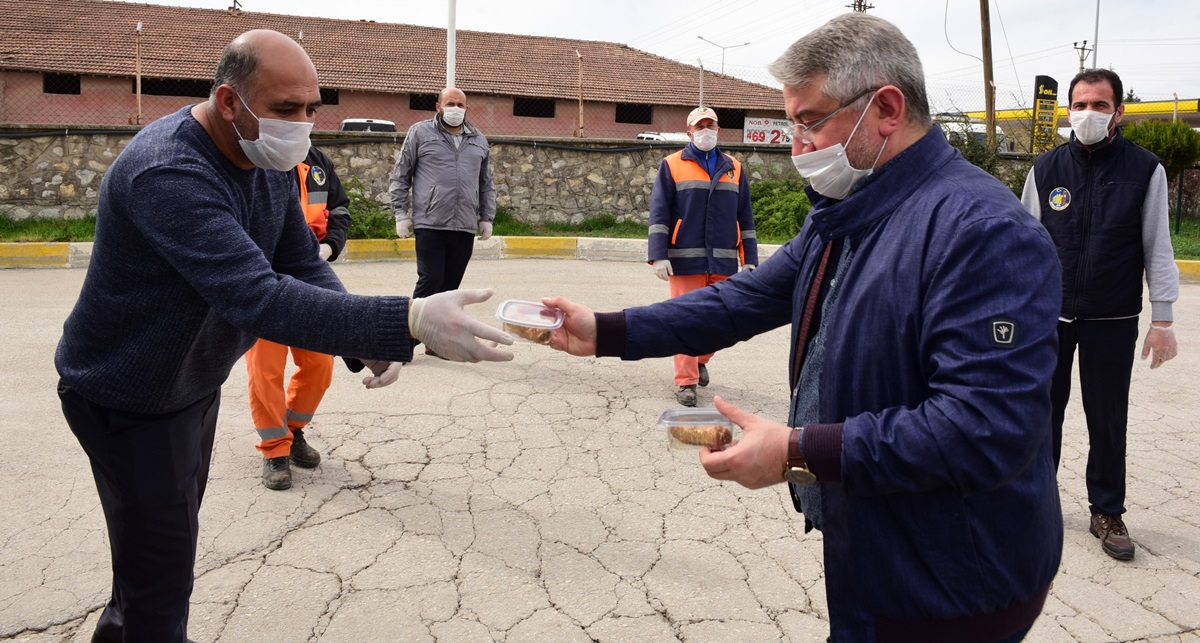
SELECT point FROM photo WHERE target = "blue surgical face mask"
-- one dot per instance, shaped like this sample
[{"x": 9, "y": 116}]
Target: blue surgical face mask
[{"x": 281, "y": 145}]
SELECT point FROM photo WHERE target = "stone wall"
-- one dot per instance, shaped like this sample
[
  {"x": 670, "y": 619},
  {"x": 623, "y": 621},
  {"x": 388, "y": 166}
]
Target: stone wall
[
  {"x": 58, "y": 176},
  {"x": 55, "y": 177}
]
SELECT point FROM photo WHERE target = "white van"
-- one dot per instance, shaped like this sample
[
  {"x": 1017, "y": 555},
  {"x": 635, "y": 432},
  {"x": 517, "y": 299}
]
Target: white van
[
  {"x": 679, "y": 137},
  {"x": 367, "y": 125}
]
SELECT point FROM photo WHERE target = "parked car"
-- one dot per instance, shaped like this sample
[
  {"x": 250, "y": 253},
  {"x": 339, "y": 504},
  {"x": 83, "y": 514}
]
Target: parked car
[
  {"x": 679, "y": 137},
  {"x": 367, "y": 125}
]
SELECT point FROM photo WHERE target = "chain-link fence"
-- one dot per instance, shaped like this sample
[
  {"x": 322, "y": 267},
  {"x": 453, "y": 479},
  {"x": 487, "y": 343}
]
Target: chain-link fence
[{"x": 76, "y": 100}]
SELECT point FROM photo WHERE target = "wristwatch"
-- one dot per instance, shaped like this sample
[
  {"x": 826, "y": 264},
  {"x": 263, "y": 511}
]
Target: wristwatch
[{"x": 795, "y": 470}]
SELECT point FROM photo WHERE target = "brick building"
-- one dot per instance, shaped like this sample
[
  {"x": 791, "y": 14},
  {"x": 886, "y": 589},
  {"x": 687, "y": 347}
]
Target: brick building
[{"x": 73, "y": 63}]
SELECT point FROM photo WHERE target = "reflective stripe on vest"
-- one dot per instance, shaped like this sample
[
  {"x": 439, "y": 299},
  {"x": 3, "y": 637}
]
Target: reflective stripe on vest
[
  {"x": 690, "y": 175},
  {"x": 313, "y": 203}
]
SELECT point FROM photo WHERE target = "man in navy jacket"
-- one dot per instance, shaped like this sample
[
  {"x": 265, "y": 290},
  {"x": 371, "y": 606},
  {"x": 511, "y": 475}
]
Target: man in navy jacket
[
  {"x": 701, "y": 227},
  {"x": 923, "y": 302}
]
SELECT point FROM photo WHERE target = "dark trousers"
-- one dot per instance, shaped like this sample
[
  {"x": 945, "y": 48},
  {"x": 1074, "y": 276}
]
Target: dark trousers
[
  {"x": 442, "y": 257},
  {"x": 1106, "y": 350},
  {"x": 150, "y": 472}
]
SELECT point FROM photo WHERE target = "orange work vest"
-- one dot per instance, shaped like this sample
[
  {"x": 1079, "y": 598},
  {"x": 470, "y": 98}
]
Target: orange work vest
[{"x": 315, "y": 210}]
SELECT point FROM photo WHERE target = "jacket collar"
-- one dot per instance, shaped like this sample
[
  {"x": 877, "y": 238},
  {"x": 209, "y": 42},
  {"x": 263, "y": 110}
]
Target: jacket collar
[
  {"x": 690, "y": 153},
  {"x": 467, "y": 130},
  {"x": 1081, "y": 153},
  {"x": 883, "y": 191}
]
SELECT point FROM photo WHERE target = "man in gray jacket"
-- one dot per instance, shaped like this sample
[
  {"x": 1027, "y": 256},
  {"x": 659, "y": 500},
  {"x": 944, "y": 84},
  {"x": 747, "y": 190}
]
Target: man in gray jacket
[{"x": 445, "y": 163}]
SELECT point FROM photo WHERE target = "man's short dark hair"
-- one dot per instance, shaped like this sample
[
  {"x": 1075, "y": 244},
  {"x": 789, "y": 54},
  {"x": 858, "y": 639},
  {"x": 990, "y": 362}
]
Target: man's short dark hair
[
  {"x": 236, "y": 68},
  {"x": 1093, "y": 76}
]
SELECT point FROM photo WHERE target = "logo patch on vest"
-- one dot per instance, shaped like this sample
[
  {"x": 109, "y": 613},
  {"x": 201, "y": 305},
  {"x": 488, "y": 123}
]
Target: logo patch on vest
[
  {"x": 1060, "y": 199},
  {"x": 729, "y": 175},
  {"x": 1004, "y": 333},
  {"x": 317, "y": 174}
]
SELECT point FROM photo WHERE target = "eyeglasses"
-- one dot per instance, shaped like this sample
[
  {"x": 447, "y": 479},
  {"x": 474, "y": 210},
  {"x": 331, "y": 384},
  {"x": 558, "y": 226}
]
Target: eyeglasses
[{"x": 804, "y": 133}]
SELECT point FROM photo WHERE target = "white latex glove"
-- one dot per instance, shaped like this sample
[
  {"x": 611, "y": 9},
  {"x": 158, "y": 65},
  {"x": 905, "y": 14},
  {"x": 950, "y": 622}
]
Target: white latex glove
[
  {"x": 1160, "y": 340},
  {"x": 747, "y": 267},
  {"x": 485, "y": 230},
  {"x": 325, "y": 250},
  {"x": 662, "y": 269},
  {"x": 384, "y": 373},
  {"x": 404, "y": 228},
  {"x": 440, "y": 321}
]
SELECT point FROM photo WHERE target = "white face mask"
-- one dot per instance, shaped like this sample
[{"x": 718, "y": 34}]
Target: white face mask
[
  {"x": 1090, "y": 126},
  {"x": 704, "y": 139},
  {"x": 281, "y": 144},
  {"x": 453, "y": 116},
  {"x": 829, "y": 171}
]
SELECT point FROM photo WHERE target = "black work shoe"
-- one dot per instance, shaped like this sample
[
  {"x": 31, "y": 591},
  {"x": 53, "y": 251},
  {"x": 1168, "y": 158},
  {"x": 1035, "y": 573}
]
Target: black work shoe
[
  {"x": 703, "y": 375},
  {"x": 1114, "y": 537},
  {"x": 277, "y": 473},
  {"x": 303, "y": 455},
  {"x": 686, "y": 395}
]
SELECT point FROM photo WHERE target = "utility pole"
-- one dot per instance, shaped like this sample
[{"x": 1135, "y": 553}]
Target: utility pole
[
  {"x": 451, "y": 47},
  {"x": 860, "y": 6},
  {"x": 579, "y": 132},
  {"x": 1083, "y": 52},
  {"x": 701, "y": 63},
  {"x": 989, "y": 95},
  {"x": 1096, "y": 40},
  {"x": 138, "y": 73}
]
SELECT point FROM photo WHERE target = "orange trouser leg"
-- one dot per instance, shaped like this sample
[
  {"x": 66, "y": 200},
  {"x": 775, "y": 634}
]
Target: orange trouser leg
[
  {"x": 274, "y": 415},
  {"x": 687, "y": 368},
  {"x": 314, "y": 373}
]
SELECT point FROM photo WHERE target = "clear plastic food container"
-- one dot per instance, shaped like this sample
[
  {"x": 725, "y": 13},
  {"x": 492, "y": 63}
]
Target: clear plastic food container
[
  {"x": 691, "y": 428},
  {"x": 529, "y": 320}
]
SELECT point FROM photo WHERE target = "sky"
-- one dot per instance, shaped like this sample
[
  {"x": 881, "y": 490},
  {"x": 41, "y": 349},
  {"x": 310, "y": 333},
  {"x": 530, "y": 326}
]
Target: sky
[{"x": 1154, "y": 45}]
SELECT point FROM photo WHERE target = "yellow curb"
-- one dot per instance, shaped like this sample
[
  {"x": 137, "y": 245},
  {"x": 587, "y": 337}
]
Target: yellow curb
[
  {"x": 27, "y": 255},
  {"x": 380, "y": 249},
  {"x": 1189, "y": 269},
  {"x": 540, "y": 246}
]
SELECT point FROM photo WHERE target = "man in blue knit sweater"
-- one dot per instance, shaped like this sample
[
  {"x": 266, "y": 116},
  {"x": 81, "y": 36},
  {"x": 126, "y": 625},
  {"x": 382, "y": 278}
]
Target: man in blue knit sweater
[{"x": 201, "y": 247}]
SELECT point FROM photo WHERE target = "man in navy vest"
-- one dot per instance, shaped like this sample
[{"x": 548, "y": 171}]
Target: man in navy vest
[{"x": 1103, "y": 199}]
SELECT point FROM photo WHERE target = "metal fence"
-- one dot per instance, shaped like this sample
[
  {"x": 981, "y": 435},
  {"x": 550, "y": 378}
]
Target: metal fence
[{"x": 75, "y": 101}]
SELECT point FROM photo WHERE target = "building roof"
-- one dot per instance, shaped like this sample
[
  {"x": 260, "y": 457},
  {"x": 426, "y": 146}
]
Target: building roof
[{"x": 97, "y": 37}]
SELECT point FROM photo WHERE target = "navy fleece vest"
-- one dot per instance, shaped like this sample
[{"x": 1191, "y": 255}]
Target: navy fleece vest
[{"x": 1092, "y": 206}]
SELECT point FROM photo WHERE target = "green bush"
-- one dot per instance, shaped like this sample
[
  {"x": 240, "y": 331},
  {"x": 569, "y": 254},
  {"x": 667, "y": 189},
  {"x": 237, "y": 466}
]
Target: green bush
[
  {"x": 369, "y": 219},
  {"x": 780, "y": 207},
  {"x": 1175, "y": 144},
  {"x": 504, "y": 225}
]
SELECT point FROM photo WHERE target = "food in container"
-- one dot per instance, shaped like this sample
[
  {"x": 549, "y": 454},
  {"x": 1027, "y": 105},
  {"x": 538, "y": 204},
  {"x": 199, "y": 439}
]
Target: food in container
[
  {"x": 529, "y": 320},
  {"x": 689, "y": 427}
]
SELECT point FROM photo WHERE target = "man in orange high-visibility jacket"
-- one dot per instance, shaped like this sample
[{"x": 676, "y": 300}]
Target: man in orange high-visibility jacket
[
  {"x": 701, "y": 227},
  {"x": 280, "y": 415}
]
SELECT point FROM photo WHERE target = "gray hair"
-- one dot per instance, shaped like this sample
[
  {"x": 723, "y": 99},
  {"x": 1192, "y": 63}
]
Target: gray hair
[
  {"x": 853, "y": 53},
  {"x": 236, "y": 68}
]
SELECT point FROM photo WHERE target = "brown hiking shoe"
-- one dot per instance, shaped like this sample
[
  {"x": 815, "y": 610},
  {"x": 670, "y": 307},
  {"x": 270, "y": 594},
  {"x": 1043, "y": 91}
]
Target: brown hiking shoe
[{"x": 1114, "y": 537}]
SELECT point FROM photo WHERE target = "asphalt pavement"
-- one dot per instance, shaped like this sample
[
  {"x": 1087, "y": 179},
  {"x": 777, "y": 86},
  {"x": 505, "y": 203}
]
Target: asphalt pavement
[{"x": 533, "y": 500}]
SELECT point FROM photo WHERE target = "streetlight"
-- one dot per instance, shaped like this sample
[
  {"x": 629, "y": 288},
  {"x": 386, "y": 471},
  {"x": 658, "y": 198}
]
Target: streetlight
[{"x": 722, "y": 49}]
